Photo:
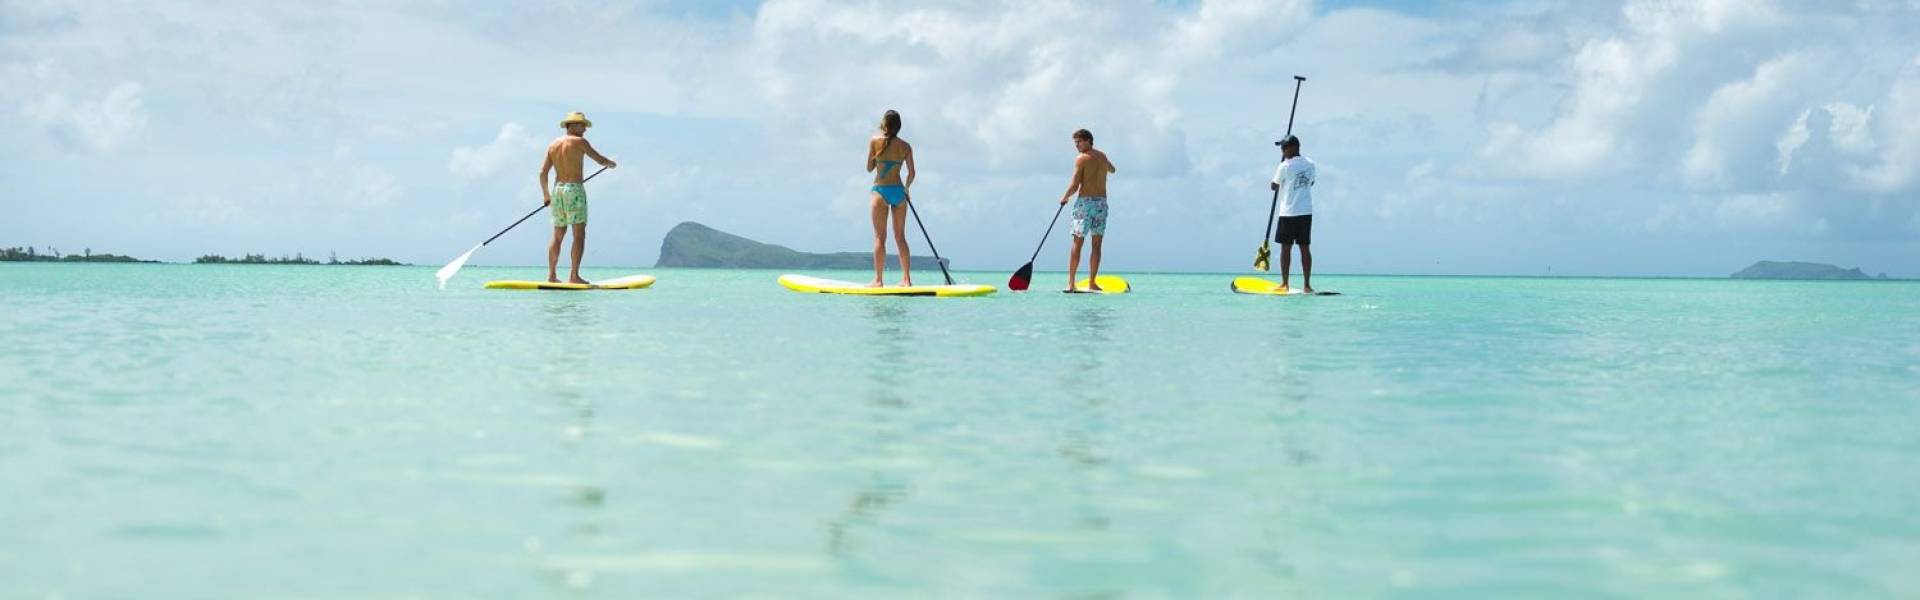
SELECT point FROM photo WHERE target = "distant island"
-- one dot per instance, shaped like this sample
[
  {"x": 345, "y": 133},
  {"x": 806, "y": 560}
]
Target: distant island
[
  {"x": 296, "y": 259},
  {"x": 31, "y": 254},
  {"x": 1768, "y": 269},
  {"x": 691, "y": 244}
]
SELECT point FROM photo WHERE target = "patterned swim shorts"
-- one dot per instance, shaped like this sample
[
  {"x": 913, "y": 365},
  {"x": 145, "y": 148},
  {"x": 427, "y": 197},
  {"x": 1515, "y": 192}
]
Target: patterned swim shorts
[
  {"x": 1089, "y": 216},
  {"x": 569, "y": 204}
]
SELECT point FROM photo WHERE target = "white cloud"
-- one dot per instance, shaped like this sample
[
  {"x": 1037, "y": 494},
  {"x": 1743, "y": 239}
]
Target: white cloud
[
  {"x": 1851, "y": 130},
  {"x": 1610, "y": 78},
  {"x": 1623, "y": 76},
  {"x": 1727, "y": 128},
  {"x": 998, "y": 86},
  {"x": 109, "y": 124},
  {"x": 1899, "y": 160},
  {"x": 511, "y": 143},
  {"x": 1790, "y": 140}
]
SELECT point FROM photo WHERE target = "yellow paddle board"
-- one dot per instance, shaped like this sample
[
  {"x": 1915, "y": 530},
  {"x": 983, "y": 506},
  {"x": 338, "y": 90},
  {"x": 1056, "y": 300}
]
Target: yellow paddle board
[
  {"x": 1109, "y": 284},
  {"x": 803, "y": 283},
  {"x": 630, "y": 282},
  {"x": 1265, "y": 287}
]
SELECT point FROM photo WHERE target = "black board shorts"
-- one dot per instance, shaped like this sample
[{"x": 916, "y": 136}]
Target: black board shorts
[{"x": 1294, "y": 230}]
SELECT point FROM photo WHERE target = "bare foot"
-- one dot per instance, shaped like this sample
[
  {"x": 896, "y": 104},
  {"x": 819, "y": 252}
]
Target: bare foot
[
  {"x": 1309, "y": 290},
  {"x": 875, "y": 283},
  {"x": 578, "y": 280},
  {"x": 1093, "y": 287},
  {"x": 906, "y": 283},
  {"x": 553, "y": 279}
]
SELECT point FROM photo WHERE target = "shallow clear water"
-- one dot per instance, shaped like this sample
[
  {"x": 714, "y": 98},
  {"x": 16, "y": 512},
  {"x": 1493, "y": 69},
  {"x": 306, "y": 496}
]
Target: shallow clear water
[{"x": 172, "y": 430}]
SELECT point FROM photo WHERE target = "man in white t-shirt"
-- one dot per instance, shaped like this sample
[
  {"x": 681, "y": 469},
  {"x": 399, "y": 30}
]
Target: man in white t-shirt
[{"x": 1294, "y": 181}]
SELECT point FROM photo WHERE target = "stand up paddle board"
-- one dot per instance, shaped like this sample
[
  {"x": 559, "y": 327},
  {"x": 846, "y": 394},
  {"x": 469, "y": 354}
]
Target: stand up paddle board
[
  {"x": 803, "y": 283},
  {"x": 630, "y": 282},
  {"x": 1264, "y": 287},
  {"x": 1109, "y": 284}
]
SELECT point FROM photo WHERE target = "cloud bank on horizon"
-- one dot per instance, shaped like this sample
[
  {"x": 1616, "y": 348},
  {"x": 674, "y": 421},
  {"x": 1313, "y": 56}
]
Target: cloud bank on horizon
[{"x": 1528, "y": 137}]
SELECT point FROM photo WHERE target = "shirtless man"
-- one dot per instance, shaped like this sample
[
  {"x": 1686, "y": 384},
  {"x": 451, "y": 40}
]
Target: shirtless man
[
  {"x": 568, "y": 196},
  {"x": 1090, "y": 171}
]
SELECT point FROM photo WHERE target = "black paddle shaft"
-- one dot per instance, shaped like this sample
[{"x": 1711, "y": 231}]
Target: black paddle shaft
[
  {"x": 535, "y": 211},
  {"x": 1274, "y": 208},
  {"x": 929, "y": 238},
  {"x": 1043, "y": 237}
]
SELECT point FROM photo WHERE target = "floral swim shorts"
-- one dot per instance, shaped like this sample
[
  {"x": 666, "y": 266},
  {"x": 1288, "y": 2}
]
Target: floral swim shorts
[
  {"x": 1089, "y": 216},
  {"x": 569, "y": 204}
]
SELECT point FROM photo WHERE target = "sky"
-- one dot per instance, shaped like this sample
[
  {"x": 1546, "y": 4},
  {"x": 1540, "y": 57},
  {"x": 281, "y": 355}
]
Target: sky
[{"x": 1525, "y": 137}]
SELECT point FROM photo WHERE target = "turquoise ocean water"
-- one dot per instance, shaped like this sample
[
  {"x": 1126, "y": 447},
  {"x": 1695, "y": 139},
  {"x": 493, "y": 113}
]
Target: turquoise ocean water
[{"x": 183, "y": 430}]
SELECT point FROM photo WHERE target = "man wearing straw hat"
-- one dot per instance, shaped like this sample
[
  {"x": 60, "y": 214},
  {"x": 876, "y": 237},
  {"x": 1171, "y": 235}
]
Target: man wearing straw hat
[{"x": 567, "y": 199}]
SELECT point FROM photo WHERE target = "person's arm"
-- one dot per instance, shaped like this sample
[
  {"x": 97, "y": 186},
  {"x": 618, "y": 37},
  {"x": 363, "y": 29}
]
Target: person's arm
[
  {"x": 595, "y": 155},
  {"x": 873, "y": 152},
  {"x": 1079, "y": 165},
  {"x": 911, "y": 170},
  {"x": 1277, "y": 176},
  {"x": 546, "y": 194},
  {"x": 1109, "y": 160}
]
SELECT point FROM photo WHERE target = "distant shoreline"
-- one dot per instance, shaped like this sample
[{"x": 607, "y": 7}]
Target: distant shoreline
[{"x": 31, "y": 254}]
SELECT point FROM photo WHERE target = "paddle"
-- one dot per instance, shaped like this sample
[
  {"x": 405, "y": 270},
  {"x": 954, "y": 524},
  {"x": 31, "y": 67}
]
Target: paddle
[
  {"x": 929, "y": 238},
  {"x": 1260, "y": 259},
  {"x": 1024, "y": 277},
  {"x": 447, "y": 272}
]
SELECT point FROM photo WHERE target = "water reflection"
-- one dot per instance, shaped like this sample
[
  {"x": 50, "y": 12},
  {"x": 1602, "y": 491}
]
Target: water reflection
[
  {"x": 886, "y": 408},
  {"x": 586, "y": 497},
  {"x": 892, "y": 344},
  {"x": 1084, "y": 426},
  {"x": 569, "y": 312}
]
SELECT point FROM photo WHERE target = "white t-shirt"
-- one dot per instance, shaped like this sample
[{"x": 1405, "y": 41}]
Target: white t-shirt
[{"x": 1295, "y": 177}]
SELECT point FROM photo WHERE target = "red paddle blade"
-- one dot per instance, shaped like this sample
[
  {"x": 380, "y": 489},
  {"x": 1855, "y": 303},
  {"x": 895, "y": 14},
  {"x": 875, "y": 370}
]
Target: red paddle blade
[{"x": 1021, "y": 278}]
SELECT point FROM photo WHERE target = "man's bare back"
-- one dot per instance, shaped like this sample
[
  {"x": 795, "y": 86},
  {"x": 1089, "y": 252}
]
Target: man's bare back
[{"x": 567, "y": 154}]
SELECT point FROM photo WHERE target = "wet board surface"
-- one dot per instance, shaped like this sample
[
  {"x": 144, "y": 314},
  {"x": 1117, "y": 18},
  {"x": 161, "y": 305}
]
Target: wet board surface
[
  {"x": 1109, "y": 284},
  {"x": 1267, "y": 287},
  {"x": 805, "y": 283},
  {"x": 630, "y": 282}
]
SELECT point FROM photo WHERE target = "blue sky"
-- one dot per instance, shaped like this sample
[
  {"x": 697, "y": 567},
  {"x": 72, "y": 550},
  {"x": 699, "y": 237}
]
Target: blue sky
[{"x": 1526, "y": 137}]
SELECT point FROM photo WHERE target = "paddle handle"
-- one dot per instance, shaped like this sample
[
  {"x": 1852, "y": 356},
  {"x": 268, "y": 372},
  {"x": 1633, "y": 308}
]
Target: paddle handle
[
  {"x": 929, "y": 238},
  {"x": 1043, "y": 236},
  {"x": 535, "y": 211}
]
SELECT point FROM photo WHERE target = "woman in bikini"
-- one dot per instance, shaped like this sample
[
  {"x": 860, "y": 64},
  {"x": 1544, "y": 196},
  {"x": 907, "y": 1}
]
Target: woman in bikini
[{"x": 886, "y": 152}]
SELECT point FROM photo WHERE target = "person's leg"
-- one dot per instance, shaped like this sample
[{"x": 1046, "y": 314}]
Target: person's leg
[
  {"x": 1073, "y": 262},
  {"x": 1306, "y": 268},
  {"x": 1093, "y": 264},
  {"x": 879, "y": 212},
  {"x": 900, "y": 242},
  {"x": 553, "y": 254},
  {"x": 579, "y": 250},
  {"x": 1286, "y": 263}
]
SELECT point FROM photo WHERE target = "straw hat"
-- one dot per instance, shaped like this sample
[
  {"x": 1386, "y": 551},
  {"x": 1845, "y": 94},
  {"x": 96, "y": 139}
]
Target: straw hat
[{"x": 576, "y": 117}]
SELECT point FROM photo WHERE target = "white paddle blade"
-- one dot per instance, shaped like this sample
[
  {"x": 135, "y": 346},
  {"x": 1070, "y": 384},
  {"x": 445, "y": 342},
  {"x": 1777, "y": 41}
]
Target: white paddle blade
[{"x": 447, "y": 272}]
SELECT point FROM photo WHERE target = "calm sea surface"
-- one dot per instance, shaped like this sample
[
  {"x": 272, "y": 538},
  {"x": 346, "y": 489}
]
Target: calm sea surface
[{"x": 184, "y": 430}]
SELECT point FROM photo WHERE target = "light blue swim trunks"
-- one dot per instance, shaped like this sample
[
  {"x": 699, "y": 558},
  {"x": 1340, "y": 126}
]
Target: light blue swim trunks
[
  {"x": 1089, "y": 216},
  {"x": 569, "y": 204}
]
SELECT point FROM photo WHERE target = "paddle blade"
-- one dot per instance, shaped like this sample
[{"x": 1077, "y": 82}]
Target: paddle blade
[
  {"x": 1021, "y": 279},
  {"x": 1261, "y": 257},
  {"x": 447, "y": 272}
]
